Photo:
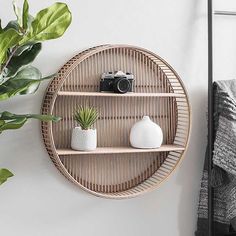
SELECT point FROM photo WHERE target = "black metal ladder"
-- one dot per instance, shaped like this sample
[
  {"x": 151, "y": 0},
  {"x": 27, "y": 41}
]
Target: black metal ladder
[{"x": 210, "y": 111}]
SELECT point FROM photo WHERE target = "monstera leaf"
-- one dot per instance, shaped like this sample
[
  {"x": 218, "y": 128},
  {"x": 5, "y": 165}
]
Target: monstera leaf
[
  {"x": 49, "y": 23},
  {"x": 25, "y": 82},
  {"x": 4, "y": 175},
  {"x": 13, "y": 121},
  {"x": 8, "y": 39}
]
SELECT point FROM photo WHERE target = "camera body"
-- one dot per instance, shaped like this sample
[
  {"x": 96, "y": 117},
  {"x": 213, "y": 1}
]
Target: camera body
[{"x": 117, "y": 82}]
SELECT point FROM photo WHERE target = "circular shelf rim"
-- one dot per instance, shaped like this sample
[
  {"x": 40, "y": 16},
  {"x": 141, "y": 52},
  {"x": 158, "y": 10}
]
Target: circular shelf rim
[{"x": 52, "y": 94}]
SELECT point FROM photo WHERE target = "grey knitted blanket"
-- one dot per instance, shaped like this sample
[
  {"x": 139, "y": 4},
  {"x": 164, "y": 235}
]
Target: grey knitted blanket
[{"x": 224, "y": 159}]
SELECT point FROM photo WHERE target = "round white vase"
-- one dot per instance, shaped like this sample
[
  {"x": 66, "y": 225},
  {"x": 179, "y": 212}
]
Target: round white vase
[
  {"x": 146, "y": 134},
  {"x": 84, "y": 140}
]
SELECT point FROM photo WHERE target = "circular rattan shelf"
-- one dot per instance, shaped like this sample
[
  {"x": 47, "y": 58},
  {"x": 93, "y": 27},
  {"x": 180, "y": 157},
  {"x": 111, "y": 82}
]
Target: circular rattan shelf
[{"x": 114, "y": 169}]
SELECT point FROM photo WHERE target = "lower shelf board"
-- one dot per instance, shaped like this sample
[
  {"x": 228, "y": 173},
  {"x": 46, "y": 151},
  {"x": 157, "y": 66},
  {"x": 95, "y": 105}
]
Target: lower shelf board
[{"x": 114, "y": 150}]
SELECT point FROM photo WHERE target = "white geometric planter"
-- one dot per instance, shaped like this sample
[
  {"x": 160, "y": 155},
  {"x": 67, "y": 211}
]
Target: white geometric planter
[{"x": 84, "y": 140}]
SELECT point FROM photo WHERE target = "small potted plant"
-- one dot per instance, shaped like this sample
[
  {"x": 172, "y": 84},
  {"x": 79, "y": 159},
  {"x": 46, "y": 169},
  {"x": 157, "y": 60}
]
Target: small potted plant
[{"x": 84, "y": 137}]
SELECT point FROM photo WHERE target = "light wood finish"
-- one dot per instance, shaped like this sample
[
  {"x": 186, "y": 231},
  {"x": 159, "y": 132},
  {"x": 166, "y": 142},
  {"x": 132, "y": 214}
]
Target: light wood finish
[
  {"x": 115, "y": 170},
  {"x": 106, "y": 94},
  {"x": 111, "y": 150}
]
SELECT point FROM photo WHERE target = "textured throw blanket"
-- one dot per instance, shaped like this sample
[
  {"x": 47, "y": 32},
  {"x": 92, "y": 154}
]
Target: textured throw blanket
[{"x": 224, "y": 159}]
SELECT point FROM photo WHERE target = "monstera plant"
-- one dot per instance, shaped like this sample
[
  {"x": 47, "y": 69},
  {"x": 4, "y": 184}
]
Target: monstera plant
[{"x": 20, "y": 43}]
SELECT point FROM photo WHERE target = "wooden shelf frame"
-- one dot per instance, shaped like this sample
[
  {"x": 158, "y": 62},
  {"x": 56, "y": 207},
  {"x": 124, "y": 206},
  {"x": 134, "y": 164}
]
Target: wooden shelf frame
[{"x": 118, "y": 171}]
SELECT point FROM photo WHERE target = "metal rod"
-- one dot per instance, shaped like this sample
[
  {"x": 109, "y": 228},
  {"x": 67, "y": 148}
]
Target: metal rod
[
  {"x": 210, "y": 118},
  {"x": 225, "y": 13}
]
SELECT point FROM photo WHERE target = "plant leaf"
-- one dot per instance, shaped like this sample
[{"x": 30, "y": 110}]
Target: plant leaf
[
  {"x": 23, "y": 57},
  {"x": 86, "y": 116},
  {"x": 4, "y": 175},
  {"x": 18, "y": 14},
  {"x": 24, "y": 47},
  {"x": 44, "y": 118},
  {"x": 2, "y": 122},
  {"x": 8, "y": 39},
  {"x": 49, "y": 23},
  {"x": 13, "y": 124},
  {"x": 12, "y": 25},
  {"x": 10, "y": 116},
  {"x": 25, "y": 82},
  {"x": 25, "y": 15},
  {"x": 9, "y": 120},
  {"x": 1, "y": 29}
]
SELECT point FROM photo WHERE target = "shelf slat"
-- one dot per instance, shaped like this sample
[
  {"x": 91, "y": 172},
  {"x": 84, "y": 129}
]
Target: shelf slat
[
  {"x": 105, "y": 94},
  {"x": 114, "y": 150}
]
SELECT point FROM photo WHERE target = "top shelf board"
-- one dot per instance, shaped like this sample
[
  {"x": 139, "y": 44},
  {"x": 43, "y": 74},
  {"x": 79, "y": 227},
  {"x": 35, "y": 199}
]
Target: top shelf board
[{"x": 105, "y": 94}]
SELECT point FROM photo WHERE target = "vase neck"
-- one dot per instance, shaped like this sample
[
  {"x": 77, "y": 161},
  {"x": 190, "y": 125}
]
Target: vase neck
[{"x": 146, "y": 118}]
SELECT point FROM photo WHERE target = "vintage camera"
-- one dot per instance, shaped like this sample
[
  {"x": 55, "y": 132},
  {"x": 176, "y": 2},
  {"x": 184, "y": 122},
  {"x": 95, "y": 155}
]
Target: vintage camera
[{"x": 117, "y": 82}]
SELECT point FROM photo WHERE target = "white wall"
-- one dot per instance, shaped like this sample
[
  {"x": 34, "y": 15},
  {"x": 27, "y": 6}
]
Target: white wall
[{"x": 39, "y": 201}]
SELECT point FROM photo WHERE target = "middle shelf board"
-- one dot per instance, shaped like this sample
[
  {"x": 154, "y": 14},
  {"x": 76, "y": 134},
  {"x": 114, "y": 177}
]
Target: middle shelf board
[
  {"x": 106, "y": 94},
  {"x": 117, "y": 150}
]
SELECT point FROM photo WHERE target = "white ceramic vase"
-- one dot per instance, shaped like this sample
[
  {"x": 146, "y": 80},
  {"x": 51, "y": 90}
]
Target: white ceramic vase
[
  {"x": 146, "y": 134},
  {"x": 84, "y": 140}
]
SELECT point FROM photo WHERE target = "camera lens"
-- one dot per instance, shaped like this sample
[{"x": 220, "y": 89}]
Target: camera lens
[{"x": 121, "y": 85}]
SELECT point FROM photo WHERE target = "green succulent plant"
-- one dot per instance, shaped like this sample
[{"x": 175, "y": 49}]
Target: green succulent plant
[
  {"x": 20, "y": 43},
  {"x": 86, "y": 117}
]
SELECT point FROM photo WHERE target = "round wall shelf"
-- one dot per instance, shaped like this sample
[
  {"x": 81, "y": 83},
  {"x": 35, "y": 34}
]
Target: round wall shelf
[{"x": 114, "y": 169}]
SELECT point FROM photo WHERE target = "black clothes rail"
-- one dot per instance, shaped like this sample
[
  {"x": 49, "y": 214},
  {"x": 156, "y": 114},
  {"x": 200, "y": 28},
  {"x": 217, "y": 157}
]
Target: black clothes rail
[
  {"x": 210, "y": 112},
  {"x": 210, "y": 118}
]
